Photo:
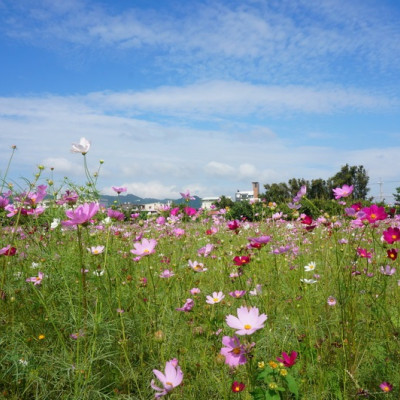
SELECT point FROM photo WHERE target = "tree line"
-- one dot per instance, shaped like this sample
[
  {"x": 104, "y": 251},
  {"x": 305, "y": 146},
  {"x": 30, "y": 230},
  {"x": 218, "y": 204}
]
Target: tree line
[{"x": 320, "y": 189}]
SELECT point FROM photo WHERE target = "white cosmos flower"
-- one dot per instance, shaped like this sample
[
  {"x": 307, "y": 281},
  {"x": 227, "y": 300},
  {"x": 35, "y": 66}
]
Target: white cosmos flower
[
  {"x": 310, "y": 266},
  {"x": 309, "y": 281},
  {"x": 82, "y": 147}
]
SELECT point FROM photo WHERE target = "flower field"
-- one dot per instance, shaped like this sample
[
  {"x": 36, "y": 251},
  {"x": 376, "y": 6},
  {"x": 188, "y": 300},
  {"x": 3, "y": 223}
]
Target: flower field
[{"x": 189, "y": 304}]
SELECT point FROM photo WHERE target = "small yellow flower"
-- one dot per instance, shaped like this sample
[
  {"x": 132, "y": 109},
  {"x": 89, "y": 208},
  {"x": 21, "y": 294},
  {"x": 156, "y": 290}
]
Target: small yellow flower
[
  {"x": 273, "y": 364},
  {"x": 272, "y": 386},
  {"x": 283, "y": 372},
  {"x": 41, "y": 336},
  {"x": 261, "y": 364}
]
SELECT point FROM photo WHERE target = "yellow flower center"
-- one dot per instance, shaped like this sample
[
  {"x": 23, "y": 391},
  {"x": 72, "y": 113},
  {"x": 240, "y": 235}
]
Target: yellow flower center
[
  {"x": 394, "y": 236},
  {"x": 373, "y": 216},
  {"x": 146, "y": 251},
  {"x": 247, "y": 327},
  {"x": 95, "y": 252},
  {"x": 215, "y": 299},
  {"x": 169, "y": 384}
]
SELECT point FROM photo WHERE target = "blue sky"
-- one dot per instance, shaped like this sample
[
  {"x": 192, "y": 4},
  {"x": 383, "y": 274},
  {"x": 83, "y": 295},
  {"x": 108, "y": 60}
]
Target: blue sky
[{"x": 201, "y": 95}]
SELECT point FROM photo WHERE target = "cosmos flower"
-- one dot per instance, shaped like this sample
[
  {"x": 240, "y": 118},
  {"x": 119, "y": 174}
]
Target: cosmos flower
[
  {"x": 310, "y": 266},
  {"x": 309, "y": 281},
  {"x": 95, "y": 249},
  {"x": 119, "y": 190},
  {"x": 187, "y": 306},
  {"x": 81, "y": 215},
  {"x": 197, "y": 267},
  {"x": 36, "y": 280},
  {"x": 167, "y": 273},
  {"x": 344, "y": 191},
  {"x": 374, "y": 213},
  {"x": 331, "y": 301},
  {"x": 215, "y": 298},
  {"x": 187, "y": 196},
  {"x": 171, "y": 378},
  {"x": 392, "y": 254},
  {"x": 288, "y": 361},
  {"x": 234, "y": 352},
  {"x": 247, "y": 321},
  {"x": 388, "y": 270},
  {"x": 391, "y": 235},
  {"x": 82, "y": 147},
  {"x": 386, "y": 386},
  {"x": 364, "y": 253},
  {"x": 241, "y": 260},
  {"x": 237, "y": 294},
  {"x": 144, "y": 248},
  {"x": 237, "y": 387}
]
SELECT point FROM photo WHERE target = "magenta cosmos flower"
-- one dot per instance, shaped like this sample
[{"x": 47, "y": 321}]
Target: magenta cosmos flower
[
  {"x": 247, "y": 321},
  {"x": 81, "y": 215},
  {"x": 288, "y": 361},
  {"x": 344, "y": 191},
  {"x": 171, "y": 378},
  {"x": 374, "y": 213},
  {"x": 234, "y": 352},
  {"x": 144, "y": 248},
  {"x": 391, "y": 235},
  {"x": 386, "y": 387}
]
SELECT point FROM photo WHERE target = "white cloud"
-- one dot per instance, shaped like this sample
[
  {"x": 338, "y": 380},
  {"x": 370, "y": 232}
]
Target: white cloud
[{"x": 215, "y": 168}]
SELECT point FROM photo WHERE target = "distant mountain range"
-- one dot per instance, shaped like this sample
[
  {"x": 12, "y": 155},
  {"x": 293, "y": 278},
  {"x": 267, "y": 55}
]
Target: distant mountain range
[{"x": 133, "y": 199}]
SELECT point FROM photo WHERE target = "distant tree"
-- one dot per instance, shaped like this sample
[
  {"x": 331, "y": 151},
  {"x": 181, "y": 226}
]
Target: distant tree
[
  {"x": 318, "y": 189},
  {"x": 224, "y": 202},
  {"x": 278, "y": 192},
  {"x": 397, "y": 196},
  {"x": 351, "y": 175}
]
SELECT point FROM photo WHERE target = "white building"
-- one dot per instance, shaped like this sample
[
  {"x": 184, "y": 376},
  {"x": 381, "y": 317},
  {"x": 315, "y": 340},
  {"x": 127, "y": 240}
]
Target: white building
[{"x": 250, "y": 195}]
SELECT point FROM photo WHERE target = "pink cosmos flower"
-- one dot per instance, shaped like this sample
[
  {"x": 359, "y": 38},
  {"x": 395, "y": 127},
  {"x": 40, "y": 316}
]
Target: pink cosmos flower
[
  {"x": 195, "y": 291},
  {"x": 187, "y": 306},
  {"x": 234, "y": 352},
  {"x": 167, "y": 273},
  {"x": 391, "y": 235},
  {"x": 119, "y": 190},
  {"x": 115, "y": 214},
  {"x": 198, "y": 267},
  {"x": 36, "y": 280},
  {"x": 206, "y": 250},
  {"x": 187, "y": 196},
  {"x": 288, "y": 361},
  {"x": 160, "y": 220},
  {"x": 386, "y": 386},
  {"x": 95, "y": 249},
  {"x": 81, "y": 215},
  {"x": 301, "y": 193},
  {"x": 344, "y": 191},
  {"x": 237, "y": 294},
  {"x": 144, "y": 248},
  {"x": 178, "y": 232},
  {"x": 248, "y": 320},
  {"x": 388, "y": 270},
  {"x": 374, "y": 213},
  {"x": 331, "y": 301},
  {"x": 215, "y": 298},
  {"x": 171, "y": 378}
]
